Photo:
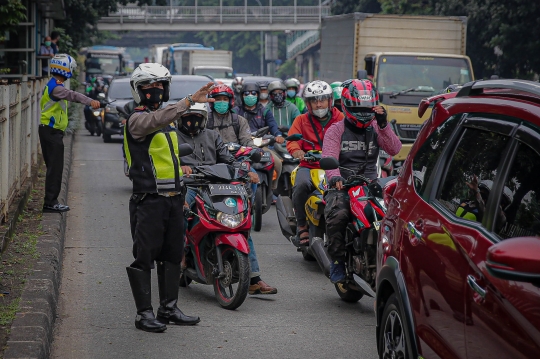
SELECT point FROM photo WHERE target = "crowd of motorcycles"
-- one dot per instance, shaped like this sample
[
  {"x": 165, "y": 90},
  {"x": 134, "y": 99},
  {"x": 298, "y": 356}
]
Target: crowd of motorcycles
[{"x": 226, "y": 211}]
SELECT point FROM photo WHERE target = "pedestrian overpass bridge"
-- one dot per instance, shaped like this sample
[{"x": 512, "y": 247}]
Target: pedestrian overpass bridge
[{"x": 214, "y": 18}]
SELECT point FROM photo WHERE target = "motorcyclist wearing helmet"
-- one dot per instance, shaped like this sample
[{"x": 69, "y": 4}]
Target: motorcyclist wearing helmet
[
  {"x": 284, "y": 111},
  {"x": 209, "y": 149},
  {"x": 292, "y": 86},
  {"x": 355, "y": 142},
  {"x": 312, "y": 126},
  {"x": 263, "y": 94},
  {"x": 237, "y": 84},
  {"x": 337, "y": 88},
  {"x": 156, "y": 206},
  {"x": 53, "y": 123},
  {"x": 258, "y": 117}
]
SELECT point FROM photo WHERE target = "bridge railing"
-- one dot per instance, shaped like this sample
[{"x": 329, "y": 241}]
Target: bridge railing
[
  {"x": 220, "y": 14},
  {"x": 19, "y": 120}
]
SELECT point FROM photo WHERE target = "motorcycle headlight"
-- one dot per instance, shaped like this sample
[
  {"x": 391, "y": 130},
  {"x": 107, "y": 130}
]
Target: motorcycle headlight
[
  {"x": 230, "y": 220},
  {"x": 96, "y": 113}
]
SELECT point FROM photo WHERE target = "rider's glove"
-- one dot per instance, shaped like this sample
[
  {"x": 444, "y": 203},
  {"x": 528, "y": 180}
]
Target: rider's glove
[
  {"x": 381, "y": 119},
  {"x": 335, "y": 180}
]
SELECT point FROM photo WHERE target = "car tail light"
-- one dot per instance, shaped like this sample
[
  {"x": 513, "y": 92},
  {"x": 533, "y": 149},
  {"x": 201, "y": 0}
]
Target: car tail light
[{"x": 386, "y": 245}]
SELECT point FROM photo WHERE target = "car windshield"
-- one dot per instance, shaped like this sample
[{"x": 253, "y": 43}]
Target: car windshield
[
  {"x": 120, "y": 89},
  {"x": 103, "y": 65},
  {"x": 420, "y": 73},
  {"x": 182, "y": 88},
  {"x": 214, "y": 73}
]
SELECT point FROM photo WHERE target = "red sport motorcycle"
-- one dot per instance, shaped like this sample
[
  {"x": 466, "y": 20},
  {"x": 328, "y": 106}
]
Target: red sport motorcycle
[
  {"x": 216, "y": 249},
  {"x": 367, "y": 211}
]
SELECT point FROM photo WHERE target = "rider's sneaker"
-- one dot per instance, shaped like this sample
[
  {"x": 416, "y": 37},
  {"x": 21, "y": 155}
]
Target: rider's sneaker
[{"x": 337, "y": 272}]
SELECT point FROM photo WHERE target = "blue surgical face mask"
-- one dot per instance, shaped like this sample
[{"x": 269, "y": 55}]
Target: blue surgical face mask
[
  {"x": 250, "y": 100},
  {"x": 291, "y": 93},
  {"x": 221, "y": 107}
]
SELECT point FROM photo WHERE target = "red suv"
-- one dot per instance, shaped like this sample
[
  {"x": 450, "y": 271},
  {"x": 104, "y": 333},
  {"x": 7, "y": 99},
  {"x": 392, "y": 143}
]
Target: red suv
[{"x": 458, "y": 267}]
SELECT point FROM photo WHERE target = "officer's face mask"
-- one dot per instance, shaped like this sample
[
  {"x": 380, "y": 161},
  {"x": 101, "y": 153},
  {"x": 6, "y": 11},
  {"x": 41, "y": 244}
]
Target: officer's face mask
[
  {"x": 291, "y": 93},
  {"x": 153, "y": 95},
  {"x": 191, "y": 124},
  {"x": 250, "y": 100},
  {"x": 221, "y": 107}
]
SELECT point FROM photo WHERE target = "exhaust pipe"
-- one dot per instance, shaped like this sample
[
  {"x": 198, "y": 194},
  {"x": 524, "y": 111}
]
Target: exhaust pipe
[
  {"x": 286, "y": 218},
  {"x": 321, "y": 255}
]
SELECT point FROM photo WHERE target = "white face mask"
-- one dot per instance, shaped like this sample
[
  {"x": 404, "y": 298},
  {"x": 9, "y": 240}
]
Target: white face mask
[
  {"x": 321, "y": 112},
  {"x": 263, "y": 96}
]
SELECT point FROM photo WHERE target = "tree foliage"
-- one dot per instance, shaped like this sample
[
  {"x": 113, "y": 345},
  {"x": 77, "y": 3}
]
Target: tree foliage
[
  {"x": 511, "y": 26},
  {"x": 11, "y": 13}
]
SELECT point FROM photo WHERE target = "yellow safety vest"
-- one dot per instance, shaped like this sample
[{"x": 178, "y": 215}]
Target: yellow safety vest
[{"x": 53, "y": 112}]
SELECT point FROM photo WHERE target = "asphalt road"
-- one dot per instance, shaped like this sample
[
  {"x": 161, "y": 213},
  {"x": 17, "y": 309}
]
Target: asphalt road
[{"x": 306, "y": 319}]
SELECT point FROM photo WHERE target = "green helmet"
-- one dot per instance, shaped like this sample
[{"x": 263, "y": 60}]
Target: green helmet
[{"x": 336, "y": 90}]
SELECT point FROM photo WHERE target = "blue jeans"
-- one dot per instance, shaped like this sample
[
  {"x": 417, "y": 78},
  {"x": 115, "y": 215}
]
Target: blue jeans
[{"x": 252, "y": 256}]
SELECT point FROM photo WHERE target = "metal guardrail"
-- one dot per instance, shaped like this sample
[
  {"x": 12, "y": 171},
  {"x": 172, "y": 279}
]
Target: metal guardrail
[
  {"x": 218, "y": 14},
  {"x": 19, "y": 121}
]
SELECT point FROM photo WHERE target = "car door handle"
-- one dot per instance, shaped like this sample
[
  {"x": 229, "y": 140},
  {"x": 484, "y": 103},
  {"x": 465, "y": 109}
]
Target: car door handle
[
  {"x": 478, "y": 290},
  {"x": 415, "y": 236}
]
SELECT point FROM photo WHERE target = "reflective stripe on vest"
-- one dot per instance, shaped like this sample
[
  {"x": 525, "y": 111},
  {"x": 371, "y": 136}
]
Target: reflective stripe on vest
[{"x": 53, "y": 113}]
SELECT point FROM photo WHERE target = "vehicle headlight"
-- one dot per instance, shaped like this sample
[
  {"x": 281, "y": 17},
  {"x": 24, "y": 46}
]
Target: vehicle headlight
[
  {"x": 96, "y": 113},
  {"x": 230, "y": 220}
]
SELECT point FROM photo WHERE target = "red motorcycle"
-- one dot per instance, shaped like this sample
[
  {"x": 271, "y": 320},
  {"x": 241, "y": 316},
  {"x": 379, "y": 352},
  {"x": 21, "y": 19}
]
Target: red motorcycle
[
  {"x": 216, "y": 237},
  {"x": 367, "y": 211}
]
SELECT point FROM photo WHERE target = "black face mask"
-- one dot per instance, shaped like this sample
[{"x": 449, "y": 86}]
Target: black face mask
[
  {"x": 278, "y": 99},
  {"x": 152, "y": 95},
  {"x": 192, "y": 124}
]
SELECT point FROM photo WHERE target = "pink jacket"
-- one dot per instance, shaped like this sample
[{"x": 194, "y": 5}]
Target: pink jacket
[{"x": 387, "y": 139}]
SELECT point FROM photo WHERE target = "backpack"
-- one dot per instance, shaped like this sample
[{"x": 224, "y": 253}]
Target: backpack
[{"x": 235, "y": 123}]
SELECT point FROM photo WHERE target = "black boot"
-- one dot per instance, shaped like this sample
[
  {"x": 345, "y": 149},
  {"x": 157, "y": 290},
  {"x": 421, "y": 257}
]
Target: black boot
[
  {"x": 168, "y": 282},
  {"x": 141, "y": 289}
]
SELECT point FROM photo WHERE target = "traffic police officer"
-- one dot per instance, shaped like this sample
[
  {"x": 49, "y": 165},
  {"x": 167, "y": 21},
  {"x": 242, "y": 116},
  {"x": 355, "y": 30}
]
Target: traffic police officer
[
  {"x": 156, "y": 206},
  {"x": 53, "y": 123}
]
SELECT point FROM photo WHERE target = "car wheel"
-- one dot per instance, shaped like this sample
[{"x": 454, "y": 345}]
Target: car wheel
[{"x": 393, "y": 343}]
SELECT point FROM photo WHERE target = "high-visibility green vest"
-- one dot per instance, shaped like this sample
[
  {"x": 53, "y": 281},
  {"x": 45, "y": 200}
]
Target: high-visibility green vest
[
  {"x": 53, "y": 112},
  {"x": 154, "y": 163}
]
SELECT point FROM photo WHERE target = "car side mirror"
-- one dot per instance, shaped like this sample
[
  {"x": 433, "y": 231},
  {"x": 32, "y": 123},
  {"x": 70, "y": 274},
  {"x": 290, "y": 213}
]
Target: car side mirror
[
  {"x": 184, "y": 150},
  {"x": 294, "y": 137},
  {"x": 328, "y": 163},
  {"x": 515, "y": 259}
]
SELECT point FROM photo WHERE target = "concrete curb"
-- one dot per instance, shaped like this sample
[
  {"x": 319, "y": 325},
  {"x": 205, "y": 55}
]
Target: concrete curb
[{"x": 32, "y": 330}]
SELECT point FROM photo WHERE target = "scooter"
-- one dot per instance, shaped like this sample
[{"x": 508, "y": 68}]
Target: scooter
[
  {"x": 314, "y": 210},
  {"x": 93, "y": 117},
  {"x": 367, "y": 211},
  {"x": 216, "y": 238},
  {"x": 284, "y": 187}
]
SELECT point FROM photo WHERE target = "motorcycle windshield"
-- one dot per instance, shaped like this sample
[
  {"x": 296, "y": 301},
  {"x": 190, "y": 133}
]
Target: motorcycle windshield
[{"x": 221, "y": 171}]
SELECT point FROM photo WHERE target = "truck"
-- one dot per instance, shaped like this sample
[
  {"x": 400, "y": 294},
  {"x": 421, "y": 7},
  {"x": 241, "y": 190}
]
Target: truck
[
  {"x": 217, "y": 64},
  {"x": 103, "y": 61},
  {"x": 407, "y": 57},
  {"x": 177, "y": 57}
]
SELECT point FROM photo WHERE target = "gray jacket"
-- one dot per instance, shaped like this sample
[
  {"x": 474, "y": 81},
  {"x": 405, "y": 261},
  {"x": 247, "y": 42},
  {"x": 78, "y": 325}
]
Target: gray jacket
[
  {"x": 208, "y": 149},
  {"x": 224, "y": 125}
]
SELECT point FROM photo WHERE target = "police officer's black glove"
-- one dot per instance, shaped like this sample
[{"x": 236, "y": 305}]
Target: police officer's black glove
[
  {"x": 381, "y": 119},
  {"x": 335, "y": 180}
]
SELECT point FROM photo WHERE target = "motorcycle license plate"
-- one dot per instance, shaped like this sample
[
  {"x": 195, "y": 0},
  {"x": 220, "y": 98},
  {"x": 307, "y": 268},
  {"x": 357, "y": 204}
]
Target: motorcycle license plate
[
  {"x": 377, "y": 225},
  {"x": 226, "y": 189}
]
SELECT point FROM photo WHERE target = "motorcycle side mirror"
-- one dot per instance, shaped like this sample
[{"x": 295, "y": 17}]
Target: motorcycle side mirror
[
  {"x": 294, "y": 137},
  {"x": 255, "y": 156},
  {"x": 184, "y": 150},
  {"x": 261, "y": 131},
  {"x": 121, "y": 110},
  {"x": 328, "y": 163}
]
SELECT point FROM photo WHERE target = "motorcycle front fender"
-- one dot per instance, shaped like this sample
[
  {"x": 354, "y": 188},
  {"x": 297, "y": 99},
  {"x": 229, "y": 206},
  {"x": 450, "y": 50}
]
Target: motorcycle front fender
[{"x": 235, "y": 240}]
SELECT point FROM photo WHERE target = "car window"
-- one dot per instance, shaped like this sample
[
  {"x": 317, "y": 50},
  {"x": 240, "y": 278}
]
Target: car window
[
  {"x": 426, "y": 157},
  {"x": 520, "y": 201},
  {"x": 120, "y": 89},
  {"x": 469, "y": 177}
]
